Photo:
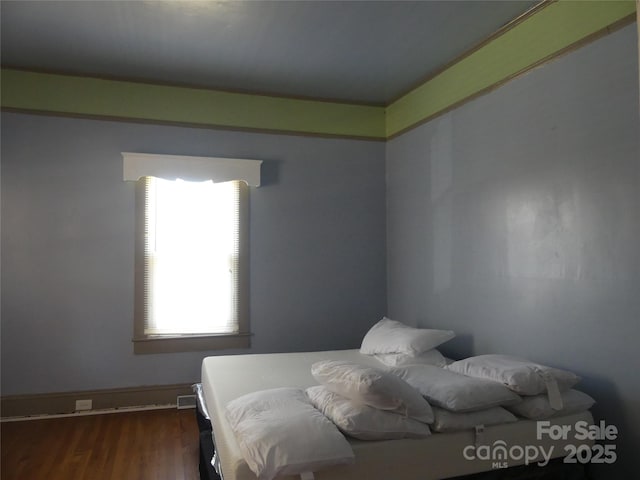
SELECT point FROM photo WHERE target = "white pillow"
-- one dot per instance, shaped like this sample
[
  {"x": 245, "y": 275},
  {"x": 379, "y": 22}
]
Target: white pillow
[
  {"x": 389, "y": 336},
  {"x": 520, "y": 375},
  {"x": 453, "y": 391},
  {"x": 446, "y": 421},
  {"x": 373, "y": 387},
  {"x": 269, "y": 426},
  {"x": 430, "y": 357},
  {"x": 364, "y": 422},
  {"x": 539, "y": 407}
]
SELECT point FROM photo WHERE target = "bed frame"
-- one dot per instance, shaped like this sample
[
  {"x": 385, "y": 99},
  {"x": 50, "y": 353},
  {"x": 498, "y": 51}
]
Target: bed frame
[{"x": 207, "y": 448}]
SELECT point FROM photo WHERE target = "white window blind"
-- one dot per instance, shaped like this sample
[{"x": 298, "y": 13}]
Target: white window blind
[{"x": 191, "y": 257}]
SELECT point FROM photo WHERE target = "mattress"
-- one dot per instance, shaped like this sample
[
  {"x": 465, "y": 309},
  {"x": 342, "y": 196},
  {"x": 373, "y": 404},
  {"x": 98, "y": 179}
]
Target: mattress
[{"x": 442, "y": 455}]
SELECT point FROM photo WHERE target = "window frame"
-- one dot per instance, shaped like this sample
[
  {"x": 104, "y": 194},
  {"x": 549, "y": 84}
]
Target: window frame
[{"x": 146, "y": 344}]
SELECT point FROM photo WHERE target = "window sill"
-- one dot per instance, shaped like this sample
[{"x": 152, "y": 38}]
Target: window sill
[{"x": 190, "y": 344}]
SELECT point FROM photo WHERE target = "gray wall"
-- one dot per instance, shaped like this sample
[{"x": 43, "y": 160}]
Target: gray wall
[
  {"x": 317, "y": 248},
  {"x": 515, "y": 221}
]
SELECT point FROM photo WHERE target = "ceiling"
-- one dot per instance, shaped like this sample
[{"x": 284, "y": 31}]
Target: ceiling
[{"x": 360, "y": 51}]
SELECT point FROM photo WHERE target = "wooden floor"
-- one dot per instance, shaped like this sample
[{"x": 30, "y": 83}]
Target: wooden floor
[{"x": 153, "y": 445}]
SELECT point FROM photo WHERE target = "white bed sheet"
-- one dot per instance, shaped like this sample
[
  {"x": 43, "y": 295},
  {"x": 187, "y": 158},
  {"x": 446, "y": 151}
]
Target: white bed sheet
[{"x": 439, "y": 456}]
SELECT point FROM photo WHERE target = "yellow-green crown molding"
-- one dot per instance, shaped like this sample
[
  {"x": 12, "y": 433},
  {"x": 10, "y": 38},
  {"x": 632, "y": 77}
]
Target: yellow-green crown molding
[
  {"x": 552, "y": 28},
  {"x": 548, "y": 30},
  {"x": 87, "y": 96}
]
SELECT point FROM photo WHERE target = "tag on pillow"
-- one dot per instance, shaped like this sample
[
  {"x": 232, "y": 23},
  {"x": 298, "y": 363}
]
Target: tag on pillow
[
  {"x": 553, "y": 392},
  {"x": 479, "y": 435},
  {"x": 307, "y": 476}
]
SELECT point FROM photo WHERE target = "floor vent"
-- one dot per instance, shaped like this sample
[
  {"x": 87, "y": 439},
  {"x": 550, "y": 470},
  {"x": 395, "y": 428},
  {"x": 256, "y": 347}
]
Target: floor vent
[{"x": 186, "y": 401}]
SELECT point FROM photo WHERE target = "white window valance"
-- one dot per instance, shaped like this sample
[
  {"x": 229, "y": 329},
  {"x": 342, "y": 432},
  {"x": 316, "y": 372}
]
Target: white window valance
[{"x": 170, "y": 167}]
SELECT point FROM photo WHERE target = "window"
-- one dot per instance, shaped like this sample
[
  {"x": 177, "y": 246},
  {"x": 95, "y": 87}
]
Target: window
[
  {"x": 191, "y": 262},
  {"x": 191, "y": 255}
]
